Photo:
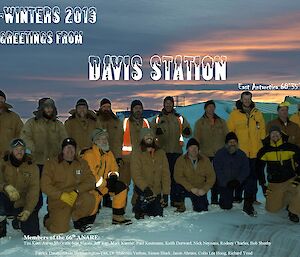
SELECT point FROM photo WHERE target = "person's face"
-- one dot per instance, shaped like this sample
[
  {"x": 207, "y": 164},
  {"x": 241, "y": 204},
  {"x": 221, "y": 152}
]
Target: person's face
[
  {"x": 283, "y": 112},
  {"x": 168, "y": 105},
  {"x": 193, "y": 151},
  {"x": 106, "y": 108},
  {"x": 102, "y": 142},
  {"x": 210, "y": 109},
  {"x": 137, "y": 111},
  {"x": 48, "y": 110},
  {"x": 148, "y": 139},
  {"x": 2, "y": 99},
  {"x": 69, "y": 152},
  {"x": 246, "y": 100},
  {"x": 18, "y": 152},
  {"x": 275, "y": 136},
  {"x": 81, "y": 111},
  {"x": 232, "y": 145}
]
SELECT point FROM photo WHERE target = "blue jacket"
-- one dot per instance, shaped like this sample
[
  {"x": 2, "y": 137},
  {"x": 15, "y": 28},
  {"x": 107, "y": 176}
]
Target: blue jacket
[{"x": 230, "y": 166}]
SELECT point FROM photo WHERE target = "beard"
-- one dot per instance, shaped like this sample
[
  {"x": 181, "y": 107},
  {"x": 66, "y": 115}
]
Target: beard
[
  {"x": 104, "y": 148},
  {"x": 106, "y": 115},
  {"x": 47, "y": 116},
  {"x": 231, "y": 149},
  {"x": 148, "y": 144}
]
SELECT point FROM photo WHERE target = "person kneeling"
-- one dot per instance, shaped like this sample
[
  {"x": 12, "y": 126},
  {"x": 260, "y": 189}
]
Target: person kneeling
[
  {"x": 195, "y": 177},
  {"x": 283, "y": 173},
  {"x": 232, "y": 168},
  {"x": 66, "y": 181},
  {"x": 105, "y": 170},
  {"x": 19, "y": 190},
  {"x": 150, "y": 173}
]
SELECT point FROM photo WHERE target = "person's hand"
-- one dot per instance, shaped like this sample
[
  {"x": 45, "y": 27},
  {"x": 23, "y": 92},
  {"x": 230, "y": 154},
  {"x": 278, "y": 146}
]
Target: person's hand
[
  {"x": 12, "y": 193},
  {"x": 296, "y": 181},
  {"x": 194, "y": 191},
  {"x": 111, "y": 182},
  {"x": 201, "y": 192},
  {"x": 69, "y": 198},
  {"x": 24, "y": 215}
]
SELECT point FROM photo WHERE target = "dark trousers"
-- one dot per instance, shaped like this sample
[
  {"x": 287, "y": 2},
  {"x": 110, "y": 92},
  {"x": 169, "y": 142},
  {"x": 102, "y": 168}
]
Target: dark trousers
[
  {"x": 200, "y": 203},
  {"x": 226, "y": 197},
  {"x": 249, "y": 187},
  {"x": 149, "y": 208},
  {"x": 30, "y": 226},
  {"x": 40, "y": 202},
  {"x": 214, "y": 190},
  {"x": 172, "y": 157}
]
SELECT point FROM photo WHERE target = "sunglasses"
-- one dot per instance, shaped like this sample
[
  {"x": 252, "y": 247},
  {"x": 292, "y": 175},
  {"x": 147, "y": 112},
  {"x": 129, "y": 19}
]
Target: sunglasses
[{"x": 17, "y": 142}]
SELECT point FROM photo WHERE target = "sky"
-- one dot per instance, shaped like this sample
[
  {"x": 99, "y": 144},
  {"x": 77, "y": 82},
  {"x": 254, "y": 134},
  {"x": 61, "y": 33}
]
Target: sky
[{"x": 260, "y": 39}]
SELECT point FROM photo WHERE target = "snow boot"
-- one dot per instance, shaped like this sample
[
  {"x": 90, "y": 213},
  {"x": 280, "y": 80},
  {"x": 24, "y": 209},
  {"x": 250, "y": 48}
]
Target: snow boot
[
  {"x": 16, "y": 224},
  {"x": 86, "y": 228},
  {"x": 248, "y": 208},
  {"x": 293, "y": 217},
  {"x": 2, "y": 226},
  {"x": 180, "y": 206},
  {"x": 120, "y": 220}
]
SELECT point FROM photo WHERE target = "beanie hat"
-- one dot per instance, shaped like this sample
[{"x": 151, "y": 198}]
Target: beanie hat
[
  {"x": 208, "y": 103},
  {"x": 82, "y": 102},
  {"x": 68, "y": 141},
  {"x": 98, "y": 132},
  {"x": 146, "y": 131},
  {"x": 104, "y": 101},
  {"x": 169, "y": 98},
  {"x": 230, "y": 136},
  {"x": 192, "y": 141},
  {"x": 135, "y": 103},
  {"x": 2, "y": 94},
  {"x": 16, "y": 142},
  {"x": 44, "y": 102},
  {"x": 283, "y": 104},
  {"x": 274, "y": 128}
]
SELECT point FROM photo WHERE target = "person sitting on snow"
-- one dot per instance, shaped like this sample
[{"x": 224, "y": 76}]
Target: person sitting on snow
[
  {"x": 283, "y": 173},
  {"x": 232, "y": 168},
  {"x": 150, "y": 174},
  {"x": 195, "y": 176},
  {"x": 105, "y": 170},
  {"x": 19, "y": 190}
]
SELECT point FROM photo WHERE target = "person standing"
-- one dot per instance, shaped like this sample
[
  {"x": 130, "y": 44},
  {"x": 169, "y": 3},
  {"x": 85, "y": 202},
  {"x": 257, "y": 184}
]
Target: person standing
[
  {"x": 285, "y": 124},
  {"x": 296, "y": 116},
  {"x": 81, "y": 124},
  {"x": 171, "y": 128},
  {"x": 10, "y": 125},
  {"x": 210, "y": 131},
  {"x": 44, "y": 134},
  {"x": 248, "y": 123}
]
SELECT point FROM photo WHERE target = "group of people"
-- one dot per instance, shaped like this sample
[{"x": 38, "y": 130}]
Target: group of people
[{"x": 91, "y": 159}]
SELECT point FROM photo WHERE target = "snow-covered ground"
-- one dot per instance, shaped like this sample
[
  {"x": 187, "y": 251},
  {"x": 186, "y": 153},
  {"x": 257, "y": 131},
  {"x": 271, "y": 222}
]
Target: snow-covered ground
[{"x": 213, "y": 233}]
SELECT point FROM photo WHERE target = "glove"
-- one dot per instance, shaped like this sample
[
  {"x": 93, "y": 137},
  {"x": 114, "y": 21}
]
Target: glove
[
  {"x": 186, "y": 131},
  {"x": 149, "y": 194},
  {"x": 164, "y": 201},
  {"x": 296, "y": 181},
  {"x": 12, "y": 192},
  {"x": 264, "y": 188},
  {"x": 119, "y": 161},
  {"x": 69, "y": 198},
  {"x": 111, "y": 182},
  {"x": 159, "y": 131},
  {"x": 233, "y": 184},
  {"x": 24, "y": 215}
]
